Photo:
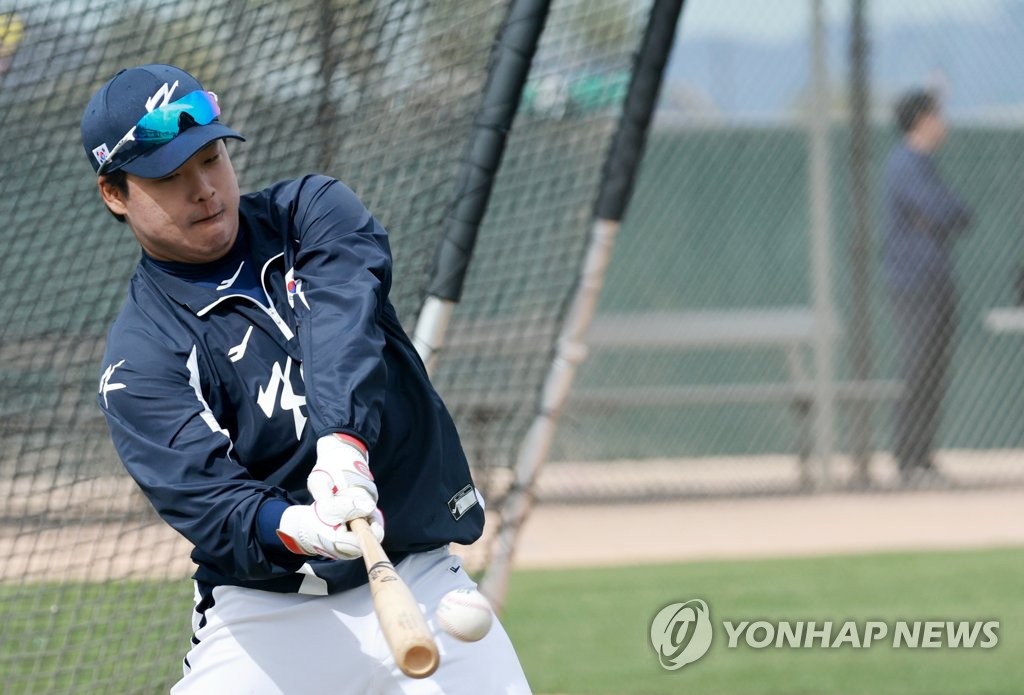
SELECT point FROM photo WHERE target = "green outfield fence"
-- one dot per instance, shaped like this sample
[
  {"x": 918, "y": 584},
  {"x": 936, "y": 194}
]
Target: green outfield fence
[{"x": 720, "y": 222}]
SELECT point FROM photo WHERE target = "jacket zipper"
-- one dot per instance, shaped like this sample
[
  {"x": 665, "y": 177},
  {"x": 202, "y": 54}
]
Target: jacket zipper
[{"x": 269, "y": 309}]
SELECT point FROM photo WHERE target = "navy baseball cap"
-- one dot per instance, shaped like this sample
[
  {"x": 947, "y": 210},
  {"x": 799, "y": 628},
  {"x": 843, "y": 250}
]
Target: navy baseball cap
[{"x": 119, "y": 104}]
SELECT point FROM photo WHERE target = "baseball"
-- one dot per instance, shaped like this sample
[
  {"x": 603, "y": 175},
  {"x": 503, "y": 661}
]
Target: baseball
[{"x": 465, "y": 614}]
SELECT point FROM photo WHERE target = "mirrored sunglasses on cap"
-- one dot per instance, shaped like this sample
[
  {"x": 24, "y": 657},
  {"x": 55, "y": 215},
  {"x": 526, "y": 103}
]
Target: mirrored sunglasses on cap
[{"x": 163, "y": 124}]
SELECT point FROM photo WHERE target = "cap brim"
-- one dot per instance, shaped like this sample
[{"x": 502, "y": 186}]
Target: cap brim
[{"x": 166, "y": 158}]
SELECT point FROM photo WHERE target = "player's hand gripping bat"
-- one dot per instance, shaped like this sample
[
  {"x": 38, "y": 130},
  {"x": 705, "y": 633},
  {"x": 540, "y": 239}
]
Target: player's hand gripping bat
[{"x": 401, "y": 620}]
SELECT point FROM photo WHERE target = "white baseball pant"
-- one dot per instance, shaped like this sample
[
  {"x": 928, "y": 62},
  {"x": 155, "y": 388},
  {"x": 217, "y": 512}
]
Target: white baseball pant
[{"x": 263, "y": 643}]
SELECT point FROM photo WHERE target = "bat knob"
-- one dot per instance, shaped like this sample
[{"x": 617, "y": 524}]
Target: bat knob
[{"x": 420, "y": 662}]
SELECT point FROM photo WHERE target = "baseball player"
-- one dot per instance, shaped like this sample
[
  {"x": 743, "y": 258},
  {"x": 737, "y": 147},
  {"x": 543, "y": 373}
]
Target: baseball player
[{"x": 259, "y": 388}]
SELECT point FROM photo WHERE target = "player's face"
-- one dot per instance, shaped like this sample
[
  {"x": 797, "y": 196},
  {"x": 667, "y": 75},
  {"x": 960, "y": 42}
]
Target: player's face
[
  {"x": 933, "y": 125},
  {"x": 190, "y": 216}
]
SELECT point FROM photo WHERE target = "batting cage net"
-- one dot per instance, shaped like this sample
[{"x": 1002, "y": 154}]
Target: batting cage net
[{"x": 383, "y": 95}]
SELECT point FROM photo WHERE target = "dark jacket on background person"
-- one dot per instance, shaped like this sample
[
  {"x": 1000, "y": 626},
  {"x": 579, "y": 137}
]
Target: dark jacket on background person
[{"x": 923, "y": 219}]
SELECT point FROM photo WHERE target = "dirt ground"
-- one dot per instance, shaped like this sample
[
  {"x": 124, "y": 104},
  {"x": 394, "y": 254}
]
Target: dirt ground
[
  {"x": 561, "y": 534},
  {"x": 972, "y": 514},
  {"x": 576, "y": 535}
]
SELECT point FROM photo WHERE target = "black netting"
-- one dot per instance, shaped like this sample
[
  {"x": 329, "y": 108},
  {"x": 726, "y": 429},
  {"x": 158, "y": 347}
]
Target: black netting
[{"x": 381, "y": 95}]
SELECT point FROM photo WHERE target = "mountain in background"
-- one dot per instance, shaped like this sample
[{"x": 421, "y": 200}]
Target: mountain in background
[{"x": 981, "y": 64}]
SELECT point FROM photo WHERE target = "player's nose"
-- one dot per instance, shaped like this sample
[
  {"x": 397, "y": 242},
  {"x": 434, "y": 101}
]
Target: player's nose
[{"x": 201, "y": 186}]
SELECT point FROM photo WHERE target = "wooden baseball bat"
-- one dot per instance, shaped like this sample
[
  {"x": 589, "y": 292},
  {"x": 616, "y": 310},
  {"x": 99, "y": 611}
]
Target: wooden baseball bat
[{"x": 401, "y": 620}]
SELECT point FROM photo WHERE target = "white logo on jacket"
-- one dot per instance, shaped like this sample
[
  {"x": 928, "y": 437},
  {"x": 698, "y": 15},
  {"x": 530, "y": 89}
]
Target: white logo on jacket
[
  {"x": 105, "y": 385},
  {"x": 280, "y": 379},
  {"x": 238, "y": 351},
  {"x": 231, "y": 280}
]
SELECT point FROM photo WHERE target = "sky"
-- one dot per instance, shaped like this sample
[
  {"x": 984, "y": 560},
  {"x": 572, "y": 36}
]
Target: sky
[
  {"x": 775, "y": 20},
  {"x": 750, "y": 57}
]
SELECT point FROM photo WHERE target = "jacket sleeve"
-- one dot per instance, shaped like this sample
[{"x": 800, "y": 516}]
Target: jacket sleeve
[
  {"x": 343, "y": 265},
  {"x": 182, "y": 459},
  {"x": 928, "y": 201}
]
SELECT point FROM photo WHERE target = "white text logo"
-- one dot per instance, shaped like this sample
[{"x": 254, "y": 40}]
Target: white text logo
[
  {"x": 903, "y": 634},
  {"x": 681, "y": 633},
  {"x": 281, "y": 380}
]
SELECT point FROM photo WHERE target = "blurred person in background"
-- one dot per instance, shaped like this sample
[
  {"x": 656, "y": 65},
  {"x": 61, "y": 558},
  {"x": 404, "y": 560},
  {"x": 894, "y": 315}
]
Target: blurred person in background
[{"x": 923, "y": 219}]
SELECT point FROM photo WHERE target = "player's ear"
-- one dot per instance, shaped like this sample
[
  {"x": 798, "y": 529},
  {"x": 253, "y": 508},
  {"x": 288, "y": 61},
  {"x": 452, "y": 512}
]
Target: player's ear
[{"x": 114, "y": 195}]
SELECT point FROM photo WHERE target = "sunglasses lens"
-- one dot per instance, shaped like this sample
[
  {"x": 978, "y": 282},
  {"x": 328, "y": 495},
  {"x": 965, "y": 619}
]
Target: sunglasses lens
[
  {"x": 202, "y": 106},
  {"x": 163, "y": 124}
]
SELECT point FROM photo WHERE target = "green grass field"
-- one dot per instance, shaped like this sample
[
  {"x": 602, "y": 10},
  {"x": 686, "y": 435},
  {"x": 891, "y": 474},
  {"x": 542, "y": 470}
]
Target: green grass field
[{"x": 587, "y": 631}]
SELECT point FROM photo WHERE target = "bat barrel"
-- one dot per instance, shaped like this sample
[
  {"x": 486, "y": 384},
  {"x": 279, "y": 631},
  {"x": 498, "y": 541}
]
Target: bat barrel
[{"x": 401, "y": 619}]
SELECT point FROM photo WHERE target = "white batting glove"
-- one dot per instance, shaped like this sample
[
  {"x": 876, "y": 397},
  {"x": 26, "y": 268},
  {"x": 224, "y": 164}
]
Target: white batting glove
[
  {"x": 305, "y": 532},
  {"x": 341, "y": 482}
]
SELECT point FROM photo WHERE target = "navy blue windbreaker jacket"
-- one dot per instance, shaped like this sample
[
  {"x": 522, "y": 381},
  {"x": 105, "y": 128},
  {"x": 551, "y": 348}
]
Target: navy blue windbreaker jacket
[
  {"x": 923, "y": 219},
  {"x": 215, "y": 401}
]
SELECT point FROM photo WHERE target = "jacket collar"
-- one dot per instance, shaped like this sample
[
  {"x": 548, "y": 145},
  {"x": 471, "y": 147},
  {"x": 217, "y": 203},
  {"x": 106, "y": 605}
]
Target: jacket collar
[
  {"x": 197, "y": 298},
  {"x": 194, "y": 297}
]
